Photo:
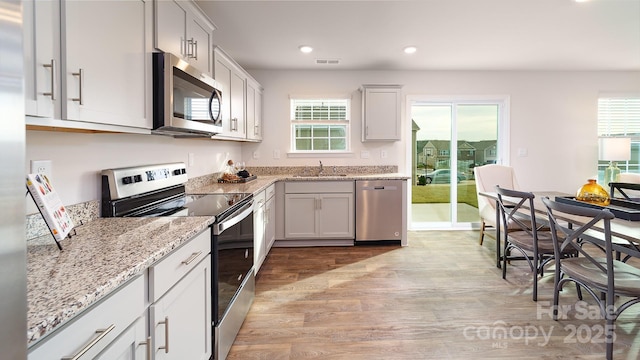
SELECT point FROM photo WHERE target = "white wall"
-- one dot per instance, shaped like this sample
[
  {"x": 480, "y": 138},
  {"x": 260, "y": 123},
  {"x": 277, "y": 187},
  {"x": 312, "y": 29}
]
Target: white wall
[
  {"x": 552, "y": 114},
  {"x": 78, "y": 158}
]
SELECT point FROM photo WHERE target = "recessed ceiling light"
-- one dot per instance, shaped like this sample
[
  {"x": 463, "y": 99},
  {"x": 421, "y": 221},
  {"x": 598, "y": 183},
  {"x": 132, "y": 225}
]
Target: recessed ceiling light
[
  {"x": 305, "y": 48},
  {"x": 410, "y": 49}
]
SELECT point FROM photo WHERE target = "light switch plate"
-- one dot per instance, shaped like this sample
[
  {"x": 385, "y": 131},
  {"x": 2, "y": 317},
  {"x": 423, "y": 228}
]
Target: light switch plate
[{"x": 364, "y": 154}]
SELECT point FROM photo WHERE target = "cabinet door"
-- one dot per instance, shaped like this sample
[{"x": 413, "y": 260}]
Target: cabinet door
[
  {"x": 106, "y": 83},
  {"x": 336, "y": 216},
  {"x": 223, "y": 78},
  {"x": 130, "y": 345},
  {"x": 258, "y": 231},
  {"x": 270, "y": 225},
  {"x": 381, "y": 114},
  {"x": 41, "y": 58},
  {"x": 253, "y": 113},
  {"x": 171, "y": 27},
  {"x": 300, "y": 216},
  {"x": 237, "y": 105},
  {"x": 199, "y": 45},
  {"x": 181, "y": 319}
]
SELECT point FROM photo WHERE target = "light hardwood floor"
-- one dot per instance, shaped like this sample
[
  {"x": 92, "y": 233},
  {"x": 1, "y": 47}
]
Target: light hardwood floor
[{"x": 441, "y": 297}]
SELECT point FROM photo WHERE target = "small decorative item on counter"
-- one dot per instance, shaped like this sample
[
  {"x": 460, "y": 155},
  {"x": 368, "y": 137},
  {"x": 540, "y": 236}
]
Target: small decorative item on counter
[
  {"x": 593, "y": 193},
  {"x": 235, "y": 173}
]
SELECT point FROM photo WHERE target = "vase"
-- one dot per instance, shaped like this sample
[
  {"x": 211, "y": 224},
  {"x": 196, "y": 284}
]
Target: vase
[{"x": 593, "y": 193}]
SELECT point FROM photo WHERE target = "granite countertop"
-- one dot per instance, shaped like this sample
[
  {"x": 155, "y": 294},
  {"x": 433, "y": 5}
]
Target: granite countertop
[
  {"x": 263, "y": 181},
  {"x": 105, "y": 253}
]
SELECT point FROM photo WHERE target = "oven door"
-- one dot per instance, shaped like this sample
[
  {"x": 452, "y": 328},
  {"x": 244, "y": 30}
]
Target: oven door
[{"x": 232, "y": 257}]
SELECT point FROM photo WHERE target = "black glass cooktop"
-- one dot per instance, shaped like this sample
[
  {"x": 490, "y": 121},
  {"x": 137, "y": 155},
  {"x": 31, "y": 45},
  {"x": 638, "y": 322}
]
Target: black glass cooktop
[{"x": 218, "y": 205}]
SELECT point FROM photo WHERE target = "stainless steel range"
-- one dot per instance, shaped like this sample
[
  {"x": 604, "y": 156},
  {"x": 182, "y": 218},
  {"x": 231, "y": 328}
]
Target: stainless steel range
[{"x": 159, "y": 190}]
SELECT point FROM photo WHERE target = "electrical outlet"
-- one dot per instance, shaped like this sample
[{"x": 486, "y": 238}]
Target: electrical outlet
[
  {"x": 276, "y": 154},
  {"x": 44, "y": 167},
  {"x": 383, "y": 154},
  {"x": 364, "y": 154},
  {"x": 256, "y": 155}
]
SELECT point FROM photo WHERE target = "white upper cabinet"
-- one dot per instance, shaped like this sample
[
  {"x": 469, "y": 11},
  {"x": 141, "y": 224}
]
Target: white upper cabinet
[
  {"x": 183, "y": 30},
  {"x": 254, "y": 110},
  {"x": 42, "y": 58},
  {"x": 108, "y": 82},
  {"x": 381, "y": 106},
  {"x": 231, "y": 80},
  {"x": 88, "y": 62}
]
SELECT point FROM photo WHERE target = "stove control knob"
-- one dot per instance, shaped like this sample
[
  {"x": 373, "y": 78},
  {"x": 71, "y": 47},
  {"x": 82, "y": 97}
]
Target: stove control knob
[
  {"x": 137, "y": 178},
  {"x": 127, "y": 180}
]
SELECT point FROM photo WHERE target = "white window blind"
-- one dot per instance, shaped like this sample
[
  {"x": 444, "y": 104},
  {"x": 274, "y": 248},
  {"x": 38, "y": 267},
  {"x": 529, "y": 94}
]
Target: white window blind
[
  {"x": 320, "y": 125},
  {"x": 619, "y": 116}
]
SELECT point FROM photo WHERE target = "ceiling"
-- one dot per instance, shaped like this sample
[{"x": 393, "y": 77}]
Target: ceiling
[{"x": 449, "y": 34}]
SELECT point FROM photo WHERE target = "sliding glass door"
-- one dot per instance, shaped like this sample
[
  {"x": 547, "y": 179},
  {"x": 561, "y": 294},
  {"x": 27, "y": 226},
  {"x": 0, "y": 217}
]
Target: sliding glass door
[{"x": 450, "y": 139}]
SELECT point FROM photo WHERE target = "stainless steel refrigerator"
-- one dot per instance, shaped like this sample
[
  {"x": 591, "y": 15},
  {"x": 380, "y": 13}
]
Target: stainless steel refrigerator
[{"x": 13, "y": 260}]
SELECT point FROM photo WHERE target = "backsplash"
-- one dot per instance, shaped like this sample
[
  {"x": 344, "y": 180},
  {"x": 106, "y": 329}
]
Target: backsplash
[
  {"x": 80, "y": 213},
  {"x": 352, "y": 170}
]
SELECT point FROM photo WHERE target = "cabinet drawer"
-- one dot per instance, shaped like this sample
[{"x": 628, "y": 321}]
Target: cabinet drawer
[
  {"x": 315, "y": 187},
  {"x": 111, "y": 316},
  {"x": 259, "y": 199},
  {"x": 164, "y": 274},
  {"x": 271, "y": 190}
]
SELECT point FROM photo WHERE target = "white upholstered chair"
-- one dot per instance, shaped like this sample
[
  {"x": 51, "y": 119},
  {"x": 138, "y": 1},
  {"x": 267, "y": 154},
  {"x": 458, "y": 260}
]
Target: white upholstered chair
[{"x": 487, "y": 177}]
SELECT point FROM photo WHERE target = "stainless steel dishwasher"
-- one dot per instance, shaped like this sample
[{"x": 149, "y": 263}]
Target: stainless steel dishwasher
[{"x": 378, "y": 210}]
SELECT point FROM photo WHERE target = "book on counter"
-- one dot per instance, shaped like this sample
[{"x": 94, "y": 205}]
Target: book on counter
[{"x": 50, "y": 205}]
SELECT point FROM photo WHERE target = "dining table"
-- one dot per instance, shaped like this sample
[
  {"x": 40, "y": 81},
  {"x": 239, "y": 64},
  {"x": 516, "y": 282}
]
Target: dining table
[{"x": 620, "y": 228}]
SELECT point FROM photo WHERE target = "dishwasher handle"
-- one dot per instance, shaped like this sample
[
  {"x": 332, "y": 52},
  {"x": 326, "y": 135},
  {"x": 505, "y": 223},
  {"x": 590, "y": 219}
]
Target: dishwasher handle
[{"x": 380, "y": 187}]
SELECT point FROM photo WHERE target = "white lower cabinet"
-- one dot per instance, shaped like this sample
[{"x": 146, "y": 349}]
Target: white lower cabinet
[
  {"x": 180, "y": 296},
  {"x": 98, "y": 328},
  {"x": 264, "y": 225},
  {"x": 176, "y": 325},
  {"x": 132, "y": 344},
  {"x": 319, "y": 210}
]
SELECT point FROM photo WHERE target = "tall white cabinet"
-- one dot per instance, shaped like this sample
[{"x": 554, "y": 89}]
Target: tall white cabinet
[
  {"x": 231, "y": 79},
  {"x": 88, "y": 62},
  {"x": 254, "y": 110}
]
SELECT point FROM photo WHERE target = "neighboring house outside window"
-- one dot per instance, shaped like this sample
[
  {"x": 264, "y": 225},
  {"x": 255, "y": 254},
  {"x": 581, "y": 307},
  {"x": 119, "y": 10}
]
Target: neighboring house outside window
[{"x": 320, "y": 125}]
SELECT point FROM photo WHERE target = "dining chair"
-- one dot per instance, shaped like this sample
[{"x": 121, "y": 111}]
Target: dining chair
[
  {"x": 486, "y": 178},
  {"x": 529, "y": 236},
  {"x": 604, "y": 278}
]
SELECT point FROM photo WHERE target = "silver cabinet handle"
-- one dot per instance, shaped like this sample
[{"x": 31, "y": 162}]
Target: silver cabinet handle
[
  {"x": 80, "y": 75},
  {"x": 102, "y": 332},
  {"x": 256, "y": 130},
  {"x": 52, "y": 92},
  {"x": 195, "y": 51},
  {"x": 166, "y": 335},
  {"x": 192, "y": 53},
  {"x": 191, "y": 258},
  {"x": 148, "y": 347},
  {"x": 234, "y": 124}
]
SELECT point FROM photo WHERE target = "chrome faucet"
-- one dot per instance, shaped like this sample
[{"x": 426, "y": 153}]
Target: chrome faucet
[{"x": 321, "y": 168}]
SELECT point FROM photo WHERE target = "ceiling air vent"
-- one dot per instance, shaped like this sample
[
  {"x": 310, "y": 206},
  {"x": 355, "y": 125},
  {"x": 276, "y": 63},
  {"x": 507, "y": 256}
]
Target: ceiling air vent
[{"x": 327, "y": 61}]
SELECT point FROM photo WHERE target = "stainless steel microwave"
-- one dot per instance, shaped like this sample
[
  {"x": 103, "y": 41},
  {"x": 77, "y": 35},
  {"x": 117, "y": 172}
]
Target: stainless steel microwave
[{"x": 186, "y": 102}]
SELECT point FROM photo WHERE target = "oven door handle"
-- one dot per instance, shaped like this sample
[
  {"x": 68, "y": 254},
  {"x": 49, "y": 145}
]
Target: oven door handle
[{"x": 235, "y": 218}]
